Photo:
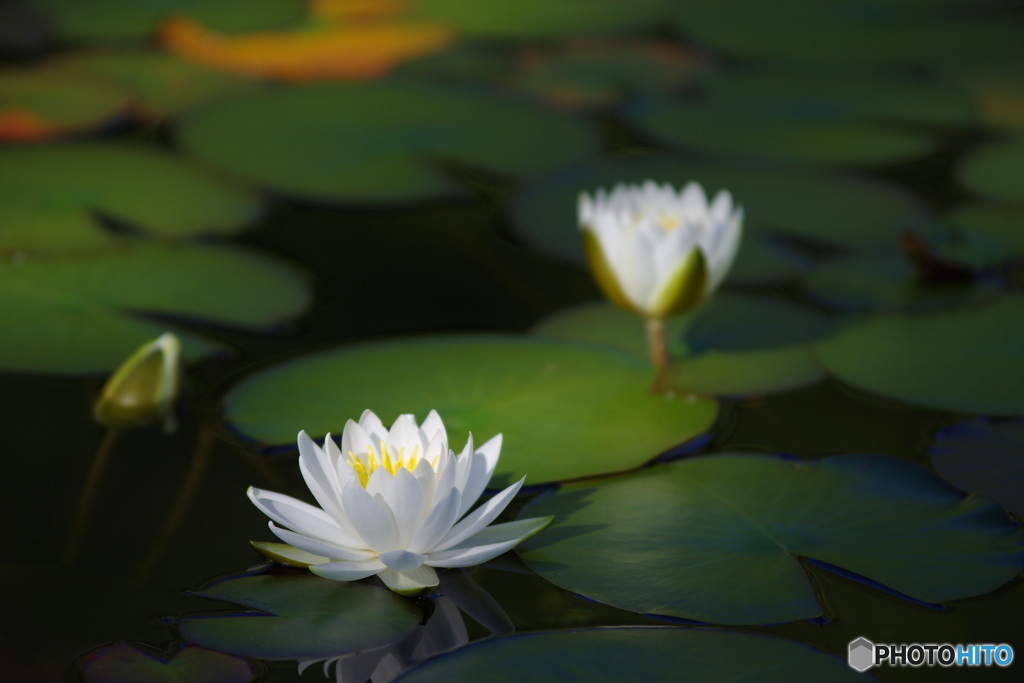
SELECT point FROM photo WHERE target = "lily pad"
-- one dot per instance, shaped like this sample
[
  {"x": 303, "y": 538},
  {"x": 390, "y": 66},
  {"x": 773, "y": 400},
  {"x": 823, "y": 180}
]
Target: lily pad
[
  {"x": 101, "y": 20},
  {"x": 374, "y": 142},
  {"x": 993, "y": 170},
  {"x": 984, "y": 456},
  {"x": 732, "y": 345},
  {"x": 719, "y": 538},
  {"x": 158, "y": 84},
  {"x": 886, "y": 280},
  {"x": 1002, "y": 227},
  {"x": 780, "y": 128},
  {"x": 635, "y": 653},
  {"x": 85, "y": 314},
  {"x": 125, "y": 663},
  {"x": 498, "y": 19},
  {"x": 831, "y": 209},
  {"x": 965, "y": 360},
  {"x": 857, "y": 32},
  {"x": 299, "y": 616},
  {"x": 51, "y": 197},
  {"x": 39, "y": 105},
  {"x": 565, "y": 410}
]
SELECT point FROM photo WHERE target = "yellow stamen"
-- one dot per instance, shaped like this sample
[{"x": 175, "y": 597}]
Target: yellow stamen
[{"x": 365, "y": 469}]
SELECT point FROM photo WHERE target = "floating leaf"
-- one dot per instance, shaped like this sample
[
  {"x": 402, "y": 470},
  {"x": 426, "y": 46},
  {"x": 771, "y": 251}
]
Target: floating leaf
[
  {"x": 158, "y": 84},
  {"x": 826, "y": 208},
  {"x": 860, "y": 32},
  {"x": 993, "y": 170},
  {"x": 39, "y": 105},
  {"x": 540, "y": 18},
  {"x": 732, "y": 345},
  {"x": 984, "y": 456},
  {"x": 565, "y": 410},
  {"x": 1001, "y": 226},
  {"x": 886, "y": 280},
  {"x": 347, "y": 52},
  {"x": 299, "y": 616},
  {"x": 965, "y": 360},
  {"x": 591, "y": 73},
  {"x": 719, "y": 538},
  {"x": 378, "y": 141},
  {"x": 100, "y": 20},
  {"x": 51, "y": 197},
  {"x": 634, "y": 653},
  {"x": 75, "y": 315},
  {"x": 795, "y": 128},
  {"x": 125, "y": 663}
]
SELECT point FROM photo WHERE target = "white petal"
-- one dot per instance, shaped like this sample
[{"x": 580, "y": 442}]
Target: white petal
[
  {"x": 722, "y": 259},
  {"x": 405, "y": 499},
  {"x": 373, "y": 427},
  {"x": 479, "y": 518},
  {"x": 302, "y": 517},
  {"x": 437, "y": 523},
  {"x": 348, "y": 571},
  {"x": 481, "y": 468},
  {"x": 694, "y": 202},
  {"x": 316, "y": 546},
  {"x": 427, "y": 479},
  {"x": 379, "y": 482},
  {"x": 404, "y": 438},
  {"x": 355, "y": 439},
  {"x": 320, "y": 475},
  {"x": 468, "y": 556},
  {"x": 367, "y": 518},
  {"x": 411, "y": 582},
  {"x": 401, "y": 560},
  {"x": 433, "y": 426}
]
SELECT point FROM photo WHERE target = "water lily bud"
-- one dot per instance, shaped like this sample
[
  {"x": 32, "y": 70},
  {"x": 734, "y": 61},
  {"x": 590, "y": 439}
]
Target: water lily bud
[
  {"x": 144, "y": 388},
  {"x": 655, "y": 251}
]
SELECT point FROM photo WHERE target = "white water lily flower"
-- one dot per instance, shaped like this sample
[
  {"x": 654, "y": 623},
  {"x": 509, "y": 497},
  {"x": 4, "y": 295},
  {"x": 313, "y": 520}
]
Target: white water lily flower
[
  {"x": 656, "y": 251},
  {"x": 393, "y": 503}
]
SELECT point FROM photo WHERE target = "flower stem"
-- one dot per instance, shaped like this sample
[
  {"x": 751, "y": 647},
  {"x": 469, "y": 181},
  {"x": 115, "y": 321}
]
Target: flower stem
[
  {"x": 197, "y": 467},
  {"x": 85, "y": 503},
  {"x": 657, "y": 349}
]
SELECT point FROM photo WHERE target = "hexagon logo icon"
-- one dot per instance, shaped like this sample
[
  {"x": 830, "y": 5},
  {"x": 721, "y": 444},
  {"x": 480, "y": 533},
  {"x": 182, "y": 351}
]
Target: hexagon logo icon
[{"x": 862, "y": 654}]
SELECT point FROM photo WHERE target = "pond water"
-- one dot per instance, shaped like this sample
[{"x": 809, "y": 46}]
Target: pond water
[{"x": 308, "y": 241}]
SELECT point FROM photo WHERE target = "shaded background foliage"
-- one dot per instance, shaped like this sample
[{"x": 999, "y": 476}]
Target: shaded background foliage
[{"x": 343, "y": 204}]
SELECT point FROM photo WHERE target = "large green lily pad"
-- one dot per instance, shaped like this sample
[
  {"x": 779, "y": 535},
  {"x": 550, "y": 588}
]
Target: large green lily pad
[
  {"x": 39, "y": 105},
  {"x": 101, "y": 20},
  {"x": 159, "y": 84},
  {"x": 125, "y": 663},
  {"x": 994, "y": 170},
  {"x": 884, "y": 279},
  {"x": 540, "y": 18},
  {"x": 373, "y": 142},
  {"x": 800, "y": 128},
  {"x": 87, "y": 314},
  {"x": 965, "y": 360},
  {"x": 719, "y": 538},
  {"x": 994, "y": 230},
  {"x": 51, "y": 196},
  {"x": 734, "y": 344},
  {"x": 984, "y": 456},
  {"x": 635, "y": 653},
  {"x": 831, "y": 209},
  {"x": 300, "y": 616},
  {"x": 856, "y": 32},
  {"x": 565, "y": 410}
]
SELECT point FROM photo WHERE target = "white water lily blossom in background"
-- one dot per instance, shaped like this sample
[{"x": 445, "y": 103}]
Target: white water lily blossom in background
[
  {"x": 657, "y": 251},
  {"x": 393, "y": 503}
]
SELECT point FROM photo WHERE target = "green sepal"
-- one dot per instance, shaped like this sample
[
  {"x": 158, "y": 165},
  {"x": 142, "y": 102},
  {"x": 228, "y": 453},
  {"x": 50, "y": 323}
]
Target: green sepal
[{"x": 685, "y": 289}]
